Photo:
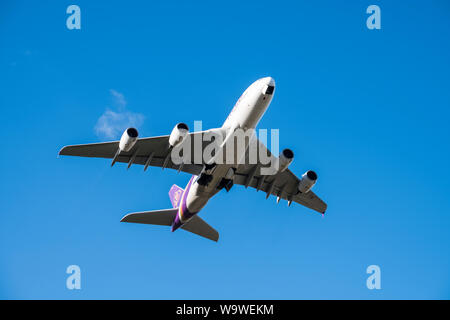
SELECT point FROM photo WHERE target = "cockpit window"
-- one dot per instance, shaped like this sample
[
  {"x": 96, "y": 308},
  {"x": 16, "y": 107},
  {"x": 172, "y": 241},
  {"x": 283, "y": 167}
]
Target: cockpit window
[{"x": 270, "y": 89}]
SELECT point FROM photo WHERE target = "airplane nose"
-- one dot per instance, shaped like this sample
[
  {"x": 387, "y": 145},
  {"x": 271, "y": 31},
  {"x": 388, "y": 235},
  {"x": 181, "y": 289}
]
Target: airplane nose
[
  {"x": 268, "y": 85},
  {"x": 268, "y": 81}
]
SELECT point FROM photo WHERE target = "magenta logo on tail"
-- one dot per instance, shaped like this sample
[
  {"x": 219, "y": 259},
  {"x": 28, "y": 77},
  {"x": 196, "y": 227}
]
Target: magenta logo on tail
[{"x": 175, "y": 194}]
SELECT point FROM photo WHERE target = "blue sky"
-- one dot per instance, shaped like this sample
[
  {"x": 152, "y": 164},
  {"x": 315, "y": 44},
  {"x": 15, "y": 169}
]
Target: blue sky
[{"x": 366, "y": 109}]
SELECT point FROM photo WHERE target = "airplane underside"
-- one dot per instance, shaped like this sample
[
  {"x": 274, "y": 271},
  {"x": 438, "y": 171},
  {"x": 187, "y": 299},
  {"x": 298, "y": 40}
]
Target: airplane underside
[{"x": 220, "y": 171}]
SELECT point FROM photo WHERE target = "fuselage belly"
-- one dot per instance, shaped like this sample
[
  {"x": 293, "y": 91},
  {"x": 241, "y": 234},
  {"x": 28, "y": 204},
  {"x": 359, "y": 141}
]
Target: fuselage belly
[{"x": 245, "y": 115}]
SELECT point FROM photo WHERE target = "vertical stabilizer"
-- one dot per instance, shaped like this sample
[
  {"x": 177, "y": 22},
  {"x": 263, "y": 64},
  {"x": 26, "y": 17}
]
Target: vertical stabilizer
[{"x": 175, "y": 194}]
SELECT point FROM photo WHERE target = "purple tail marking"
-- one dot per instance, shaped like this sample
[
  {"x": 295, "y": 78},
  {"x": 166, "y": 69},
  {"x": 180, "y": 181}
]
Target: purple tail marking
[
  {"x": 183, "y": 212},
  {"x": 175, "y": 194}
]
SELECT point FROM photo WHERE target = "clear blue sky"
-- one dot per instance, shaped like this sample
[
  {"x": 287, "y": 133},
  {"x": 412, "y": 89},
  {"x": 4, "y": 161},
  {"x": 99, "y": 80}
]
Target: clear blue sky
[{"x": 368, "y": 110}]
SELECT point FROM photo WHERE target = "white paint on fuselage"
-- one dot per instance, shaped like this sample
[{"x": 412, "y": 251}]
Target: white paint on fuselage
[
  {"x": 251, "y": 106},
  {"x": 245, "y": 115}
]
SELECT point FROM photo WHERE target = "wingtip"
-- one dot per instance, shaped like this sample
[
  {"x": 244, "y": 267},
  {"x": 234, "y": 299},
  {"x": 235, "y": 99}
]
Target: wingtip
[
  {"x": 60, "y": 152},
  {"x": 124, "y": 218}
]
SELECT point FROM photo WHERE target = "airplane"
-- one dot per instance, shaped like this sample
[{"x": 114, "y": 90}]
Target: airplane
[{"x": 209, "y": 176}]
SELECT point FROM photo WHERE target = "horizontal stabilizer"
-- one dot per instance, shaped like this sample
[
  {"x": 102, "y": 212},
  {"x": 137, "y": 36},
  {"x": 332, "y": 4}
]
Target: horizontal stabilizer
[
  {"x": 158, "y": 217},
  {"x": 198, "y": 226}
]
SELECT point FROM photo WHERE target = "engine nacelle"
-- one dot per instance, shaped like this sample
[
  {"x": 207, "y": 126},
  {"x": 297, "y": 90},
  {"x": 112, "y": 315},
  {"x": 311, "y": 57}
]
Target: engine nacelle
[
  {"x": 285, "y": 159},
  {"x": 179, "y": 133},
  {"x": 128, "y": 139},
  {"x": 307, "y": 181}
]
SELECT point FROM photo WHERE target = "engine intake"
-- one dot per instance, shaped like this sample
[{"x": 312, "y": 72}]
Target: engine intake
[
  {"x": 128, "y": 139},
  {"x": 179, "y": 133},
  {"x": 308, "y": 180}
]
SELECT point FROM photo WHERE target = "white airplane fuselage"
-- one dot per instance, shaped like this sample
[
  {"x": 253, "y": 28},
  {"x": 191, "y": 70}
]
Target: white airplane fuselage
[{"x": 246, "y": 114}]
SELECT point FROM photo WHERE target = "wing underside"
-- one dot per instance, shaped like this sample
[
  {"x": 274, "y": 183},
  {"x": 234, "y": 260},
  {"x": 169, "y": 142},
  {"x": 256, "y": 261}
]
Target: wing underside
[
  {"x": 280, "y": 184},
  {"x": 155, "y": 152}
]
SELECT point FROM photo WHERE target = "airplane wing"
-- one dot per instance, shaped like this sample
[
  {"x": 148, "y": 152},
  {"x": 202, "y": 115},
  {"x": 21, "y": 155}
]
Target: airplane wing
[
  {"x": 283, "y": 184},
  {"x": 152, "y": 151}
]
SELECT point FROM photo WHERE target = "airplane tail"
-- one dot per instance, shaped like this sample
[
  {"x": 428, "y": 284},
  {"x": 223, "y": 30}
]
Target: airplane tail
[
  {"x": 175, "y": 194},
  {"x": 166, "y": 217}
]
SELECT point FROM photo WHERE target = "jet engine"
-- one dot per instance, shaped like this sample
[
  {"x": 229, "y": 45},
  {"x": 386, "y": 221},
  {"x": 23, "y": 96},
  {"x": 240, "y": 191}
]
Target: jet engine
[
  {"x": 179, "y": 133},
  {"x": 307, "y": 181},
  {"x": 128, "y": 139},
  {"x": 285, "y": 159}
]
